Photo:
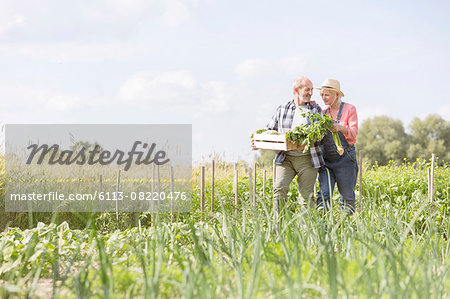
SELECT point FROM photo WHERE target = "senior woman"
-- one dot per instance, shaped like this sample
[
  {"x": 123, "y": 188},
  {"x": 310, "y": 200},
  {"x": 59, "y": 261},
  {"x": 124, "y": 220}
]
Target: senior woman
[{"x": 340, "y": 169}]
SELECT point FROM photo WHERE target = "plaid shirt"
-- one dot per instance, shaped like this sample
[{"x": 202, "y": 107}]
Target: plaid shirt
[{"x": 282, "y": 122}]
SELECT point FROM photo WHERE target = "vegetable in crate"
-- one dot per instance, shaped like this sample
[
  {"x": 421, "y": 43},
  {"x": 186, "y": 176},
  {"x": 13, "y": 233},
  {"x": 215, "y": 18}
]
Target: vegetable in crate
[
  {"x": 264, "y": 131},
  {"x": 317, "y": 127},
  {"x": 306, "y": 134},
  {"x": 257, "y": 132}
]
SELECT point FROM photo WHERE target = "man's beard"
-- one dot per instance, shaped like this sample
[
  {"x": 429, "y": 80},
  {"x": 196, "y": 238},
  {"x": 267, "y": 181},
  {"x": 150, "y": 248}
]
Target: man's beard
[{"x": 305, "y": 99}]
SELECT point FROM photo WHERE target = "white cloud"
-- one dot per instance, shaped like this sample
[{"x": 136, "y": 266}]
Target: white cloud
[
  {"x": 53, "y": 21},
  {"x": 444, "y": 111},
  {"x": 177, "y": 90},
  {"x": 32, "y": 103},
  {"x": 216, "y": 97},
  {"x": 71, "y": 52},
  {"x": 15, "y": 17},
  {"x": 11, "y": 17},
  {"x": 159, "y": 88},
  {"x": 116, "y": 9},
  {"x": 172, "y": 12},
  {"x": 62, "y": 102},
  {"x": 252, "y": 68},
  {"x": 175, "y": 13},
  {"x": 365, "y": 112},
  {"x": 12, "y": 22}
]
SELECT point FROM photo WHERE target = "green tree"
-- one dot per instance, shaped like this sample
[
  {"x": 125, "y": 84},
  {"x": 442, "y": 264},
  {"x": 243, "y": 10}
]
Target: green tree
[
  {"x": 428, "y": 136},
  {"x": 381, "y": 139}
]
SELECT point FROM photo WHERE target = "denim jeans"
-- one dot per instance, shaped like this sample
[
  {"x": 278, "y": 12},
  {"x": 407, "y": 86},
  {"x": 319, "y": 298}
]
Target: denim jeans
[{"x": 342, "y": 171}]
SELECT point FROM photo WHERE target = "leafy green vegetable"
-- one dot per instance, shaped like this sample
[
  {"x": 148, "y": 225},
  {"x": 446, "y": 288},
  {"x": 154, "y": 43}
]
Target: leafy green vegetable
[
  {"x": 258, "y": 132},
  {"x": 307, "y": 134},
  {"x": 265, "y": 131}
]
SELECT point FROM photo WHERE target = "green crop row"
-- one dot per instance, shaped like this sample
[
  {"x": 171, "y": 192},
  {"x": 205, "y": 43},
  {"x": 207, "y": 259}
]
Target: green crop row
[{"x": 395, "y": 246}]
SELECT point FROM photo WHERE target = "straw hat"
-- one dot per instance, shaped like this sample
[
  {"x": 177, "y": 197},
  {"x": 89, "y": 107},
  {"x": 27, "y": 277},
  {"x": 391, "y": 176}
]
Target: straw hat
[{"x": 332, "y": 84}]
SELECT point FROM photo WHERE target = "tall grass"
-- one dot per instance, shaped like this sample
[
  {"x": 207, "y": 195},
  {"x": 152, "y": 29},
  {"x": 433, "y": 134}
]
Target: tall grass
[{"x": 395, "y": 247}]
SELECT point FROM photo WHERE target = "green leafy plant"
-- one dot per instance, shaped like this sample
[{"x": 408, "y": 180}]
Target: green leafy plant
[
  {"x": 265, "y": 131},
  {"x": 307, "y": 134},
  {"x": 397, "y": 243},
  {"x": 259, "y": 131}
]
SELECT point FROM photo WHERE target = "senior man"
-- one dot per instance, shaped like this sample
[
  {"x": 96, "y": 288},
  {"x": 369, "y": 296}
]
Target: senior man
[{"x": 295, "y": 162}]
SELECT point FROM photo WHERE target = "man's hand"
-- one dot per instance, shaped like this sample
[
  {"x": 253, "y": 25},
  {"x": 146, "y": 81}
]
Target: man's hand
[{"x": 253, "y": 145}]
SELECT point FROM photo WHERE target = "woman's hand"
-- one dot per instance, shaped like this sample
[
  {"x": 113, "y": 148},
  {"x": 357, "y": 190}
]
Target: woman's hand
[{"x": 339, "y": 128}]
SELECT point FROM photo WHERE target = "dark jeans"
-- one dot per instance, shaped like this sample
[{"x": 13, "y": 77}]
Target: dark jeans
[{"x": 344, "y": 172}]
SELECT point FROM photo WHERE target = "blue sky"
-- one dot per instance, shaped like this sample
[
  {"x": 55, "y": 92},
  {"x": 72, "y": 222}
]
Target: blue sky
[{"x": 223, "y": 66}]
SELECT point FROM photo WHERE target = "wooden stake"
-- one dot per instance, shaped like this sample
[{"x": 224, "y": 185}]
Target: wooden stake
[
  {"x": 152, "y": 202},
  {"x": 264, "y": 184},
  {"x": 117, "y": 196},
  {"x": 172, "y": 191},
  {"x": 429, "y": 182},
  {"x": 202, "y": 189},
  {"x": 236, "y": 190},
  {"x": 360, "y": 178},
  {"x": 274, "y": 174},
  {"x": 101, "y": 190},
  {"x": 250, "y": 189},
  {"x": 275, "y": 201},
  {"x": 234, "y": 181},
  {"x": 212, "y": 186},
  {"x": 254, "y": 184},
  {"x": 433, "y": 159},
  {"x": 159, "y": 184}
]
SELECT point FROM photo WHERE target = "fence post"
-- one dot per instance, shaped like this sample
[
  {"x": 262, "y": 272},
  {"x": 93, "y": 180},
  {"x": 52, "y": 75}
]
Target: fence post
[
  {"x": 202, "y": 189},
  {"x": 274, "y": 173},
  {"x": 264, "y": 184},
  {"x": 234, "y": 171},
  {"x": 433, "y": 159},
  {"x": 159, "y": 184},
  {"x": 236, "y": 188},
  {"x": 172, "y": 216},
  {"x": 360, "y": 178},
  {"x": 429, "y": 182},
  {"x": 152, "y": 202},
  {"x": 254, "y": 184},
  {"x": 250, "y": 189},
  {"x": 212, "y": 186},
  {"x": 101, "y": 190},
  {"x": 275, "y": 200},
  {"x": 117, "y": 196}
]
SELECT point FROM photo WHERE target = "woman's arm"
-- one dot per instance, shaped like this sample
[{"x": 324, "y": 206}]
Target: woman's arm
[
  {"x": 352, "y": 124},
  {"x": 350, "y": 129}
]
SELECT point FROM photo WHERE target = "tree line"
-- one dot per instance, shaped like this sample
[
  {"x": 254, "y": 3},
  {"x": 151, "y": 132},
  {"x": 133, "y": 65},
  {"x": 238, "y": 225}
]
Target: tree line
[{"x": 382, "y": 139}]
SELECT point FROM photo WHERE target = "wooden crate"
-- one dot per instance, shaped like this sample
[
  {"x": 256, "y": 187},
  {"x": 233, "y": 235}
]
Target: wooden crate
[{"x": 275, "y": 142}]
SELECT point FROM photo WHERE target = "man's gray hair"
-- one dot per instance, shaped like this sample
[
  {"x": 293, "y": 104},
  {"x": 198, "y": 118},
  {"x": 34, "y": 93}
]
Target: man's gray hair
[{"x": 298, "y": 82}]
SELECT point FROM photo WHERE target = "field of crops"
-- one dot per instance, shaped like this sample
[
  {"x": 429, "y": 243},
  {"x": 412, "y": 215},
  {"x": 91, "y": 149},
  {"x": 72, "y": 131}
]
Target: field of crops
[{"x": 396, "y": 246}]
